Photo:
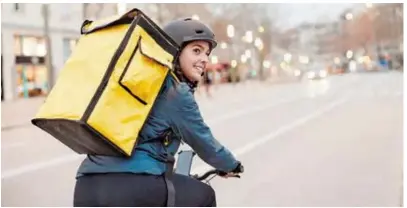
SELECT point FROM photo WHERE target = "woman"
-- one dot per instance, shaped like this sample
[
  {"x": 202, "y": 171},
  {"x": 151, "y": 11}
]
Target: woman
[{"x": 141, "y": 179}]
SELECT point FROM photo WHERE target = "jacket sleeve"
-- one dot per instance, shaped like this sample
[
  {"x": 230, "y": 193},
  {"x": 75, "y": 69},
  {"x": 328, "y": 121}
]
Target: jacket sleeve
[{"x": 189, "y": 124}]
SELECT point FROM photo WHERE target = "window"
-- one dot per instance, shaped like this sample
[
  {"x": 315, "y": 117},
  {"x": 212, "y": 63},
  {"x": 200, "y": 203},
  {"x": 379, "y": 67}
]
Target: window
[
  {"x": 31, "y": 80},
  {"x": 41, "y": 49},
  {"x": 29, "y": 46}
]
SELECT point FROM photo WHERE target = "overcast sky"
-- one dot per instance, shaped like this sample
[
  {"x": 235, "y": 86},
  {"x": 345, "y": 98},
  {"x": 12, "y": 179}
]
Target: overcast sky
[{"x": 295, "y": 14}]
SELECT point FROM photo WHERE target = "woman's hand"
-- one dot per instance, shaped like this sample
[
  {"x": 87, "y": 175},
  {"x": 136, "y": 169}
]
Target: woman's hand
[{"x": 235, "y": 172}]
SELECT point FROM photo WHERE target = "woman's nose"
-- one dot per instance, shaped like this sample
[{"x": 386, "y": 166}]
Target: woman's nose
[{"x": 205, "y": 59}]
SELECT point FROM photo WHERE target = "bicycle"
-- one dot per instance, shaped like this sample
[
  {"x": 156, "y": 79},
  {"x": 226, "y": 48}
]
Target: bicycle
[{"x": 184, "y": 165}]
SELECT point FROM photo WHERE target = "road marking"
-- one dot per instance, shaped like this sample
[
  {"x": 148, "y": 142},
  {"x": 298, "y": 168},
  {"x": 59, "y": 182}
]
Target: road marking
[
  {"x": 273, "y": 135},
  {"x": 70, "y": 158},
  {"x": 12, "y": 145},
  {"x": 259, "y": 93},
  {"x": 37, "y": 166},
  {"x": 246, "y": 111},
  {"x": 211, "y": 121}
]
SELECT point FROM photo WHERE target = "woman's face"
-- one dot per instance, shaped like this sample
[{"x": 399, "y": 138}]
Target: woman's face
[{"x": 193, "y": 59}]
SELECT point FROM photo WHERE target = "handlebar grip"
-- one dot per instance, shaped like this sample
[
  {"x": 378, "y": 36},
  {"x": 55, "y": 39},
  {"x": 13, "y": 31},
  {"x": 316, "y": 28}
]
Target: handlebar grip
[
  {"x": 206, "y": 175},
  {"x": 211, "y": 172}
]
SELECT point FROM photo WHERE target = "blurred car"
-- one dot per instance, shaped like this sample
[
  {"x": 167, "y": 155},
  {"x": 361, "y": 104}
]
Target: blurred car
[{"x": 317, "y": 72}]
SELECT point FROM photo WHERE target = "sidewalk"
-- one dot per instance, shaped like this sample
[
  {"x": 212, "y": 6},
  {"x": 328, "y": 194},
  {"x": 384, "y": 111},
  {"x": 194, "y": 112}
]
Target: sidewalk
[{"x": 19, "y": 112}]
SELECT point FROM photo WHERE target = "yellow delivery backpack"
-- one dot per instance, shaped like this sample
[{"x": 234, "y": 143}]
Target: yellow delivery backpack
[{"x": 107, "y": 87}]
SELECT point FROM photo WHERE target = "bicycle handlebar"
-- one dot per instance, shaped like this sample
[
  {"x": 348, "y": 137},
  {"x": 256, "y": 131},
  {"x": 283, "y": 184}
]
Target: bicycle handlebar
[{"x": 209, "y": 173}]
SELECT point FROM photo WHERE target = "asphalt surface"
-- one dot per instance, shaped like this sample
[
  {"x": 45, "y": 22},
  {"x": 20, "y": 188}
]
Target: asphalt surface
[{"x": 331, "y": 142}]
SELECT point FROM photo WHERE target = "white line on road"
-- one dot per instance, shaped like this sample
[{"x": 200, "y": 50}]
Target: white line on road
[
  {"x": 38, "y": 166},
  {"x": 246, "y": 111},
  {"x": 12, "y": 145},
  {"x": 300, "y": 121},
  {"x": 259, "y": 93},
  {"x": 69, "y": 158}
]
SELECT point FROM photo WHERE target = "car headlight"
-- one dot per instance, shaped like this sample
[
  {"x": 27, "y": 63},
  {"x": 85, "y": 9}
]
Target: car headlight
[
  {"x": 323, "y": 73},
  {"x": 311, "y": 75}
]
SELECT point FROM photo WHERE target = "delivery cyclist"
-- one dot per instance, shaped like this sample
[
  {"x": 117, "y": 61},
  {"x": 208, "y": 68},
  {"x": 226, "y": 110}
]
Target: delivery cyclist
[{"x": 141, "y": 180}]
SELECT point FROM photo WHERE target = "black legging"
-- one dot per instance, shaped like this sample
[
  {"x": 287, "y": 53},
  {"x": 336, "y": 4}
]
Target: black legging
[{"x": 132, "y": 190}]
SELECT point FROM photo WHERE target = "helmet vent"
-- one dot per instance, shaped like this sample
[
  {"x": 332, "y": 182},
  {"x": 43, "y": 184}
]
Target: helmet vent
[{"x": 199, "y": 31}]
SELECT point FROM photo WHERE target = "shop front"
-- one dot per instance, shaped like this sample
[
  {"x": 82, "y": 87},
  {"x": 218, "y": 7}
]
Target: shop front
[
  {"x": 32, "y": 79},
  {"x": 31, "y": 76}
]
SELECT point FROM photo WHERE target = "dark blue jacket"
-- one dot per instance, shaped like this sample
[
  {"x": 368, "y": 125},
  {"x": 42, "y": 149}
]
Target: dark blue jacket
[{"x": 175, "y": 109}]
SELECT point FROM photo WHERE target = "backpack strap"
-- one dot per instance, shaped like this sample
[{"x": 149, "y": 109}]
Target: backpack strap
[
  {"x": 164, "y": 139},
  {"x": 168, "y": 181}
]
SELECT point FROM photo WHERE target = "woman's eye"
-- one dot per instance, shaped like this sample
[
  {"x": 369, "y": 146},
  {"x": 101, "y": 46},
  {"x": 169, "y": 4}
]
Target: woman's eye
[{"x": 197, "y": 51}]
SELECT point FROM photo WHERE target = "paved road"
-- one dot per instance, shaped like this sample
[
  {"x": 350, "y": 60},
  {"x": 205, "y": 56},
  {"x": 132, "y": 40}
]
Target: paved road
[{"x": 333, "y": 142}]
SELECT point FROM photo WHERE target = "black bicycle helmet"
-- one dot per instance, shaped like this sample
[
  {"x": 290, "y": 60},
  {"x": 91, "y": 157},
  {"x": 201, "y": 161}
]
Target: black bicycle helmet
[{"x": 183, "y": 31}]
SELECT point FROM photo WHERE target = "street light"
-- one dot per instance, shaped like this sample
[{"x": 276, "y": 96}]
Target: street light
[
  {"x": 230, "y": 31},
  {"x": 349, "y": 16},
  {"x": 258, "y": 43},
  {"x": 349, "y": 54},
  {"x": 195, "y": 17},
  {"x": 260, "y": 47},
  {"x": 249, "y": 36},
  {"x": 266, "y": 64},
  {"x": 214, "y": 59},
  {"x": 223, "y": 45},
  {"x": 337, "y": 60},
  {"x": 243, "y": 58},
  {"x": 306, "y": 60},
  {"x": 303, "y": 59},
  {"x": 248, "y": 54},
  {"x": 233, "y": 63},
  {"x": 261, "y": 29},
  {"x": 287, "y": 57}
]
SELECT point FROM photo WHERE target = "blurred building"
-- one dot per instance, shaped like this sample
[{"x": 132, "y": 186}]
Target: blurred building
[
  {"x": 307, "y": 41},
  {"x": 320, "y": 40},
  {"x": 24, "y": 73},
  {"x": 94, "y": 11},
  {"x": 23, "y": 69},
  {"x": 387, "y": 24},
  {"x": 374, "y": 28},
  {"x": 327, "y": 36}
]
